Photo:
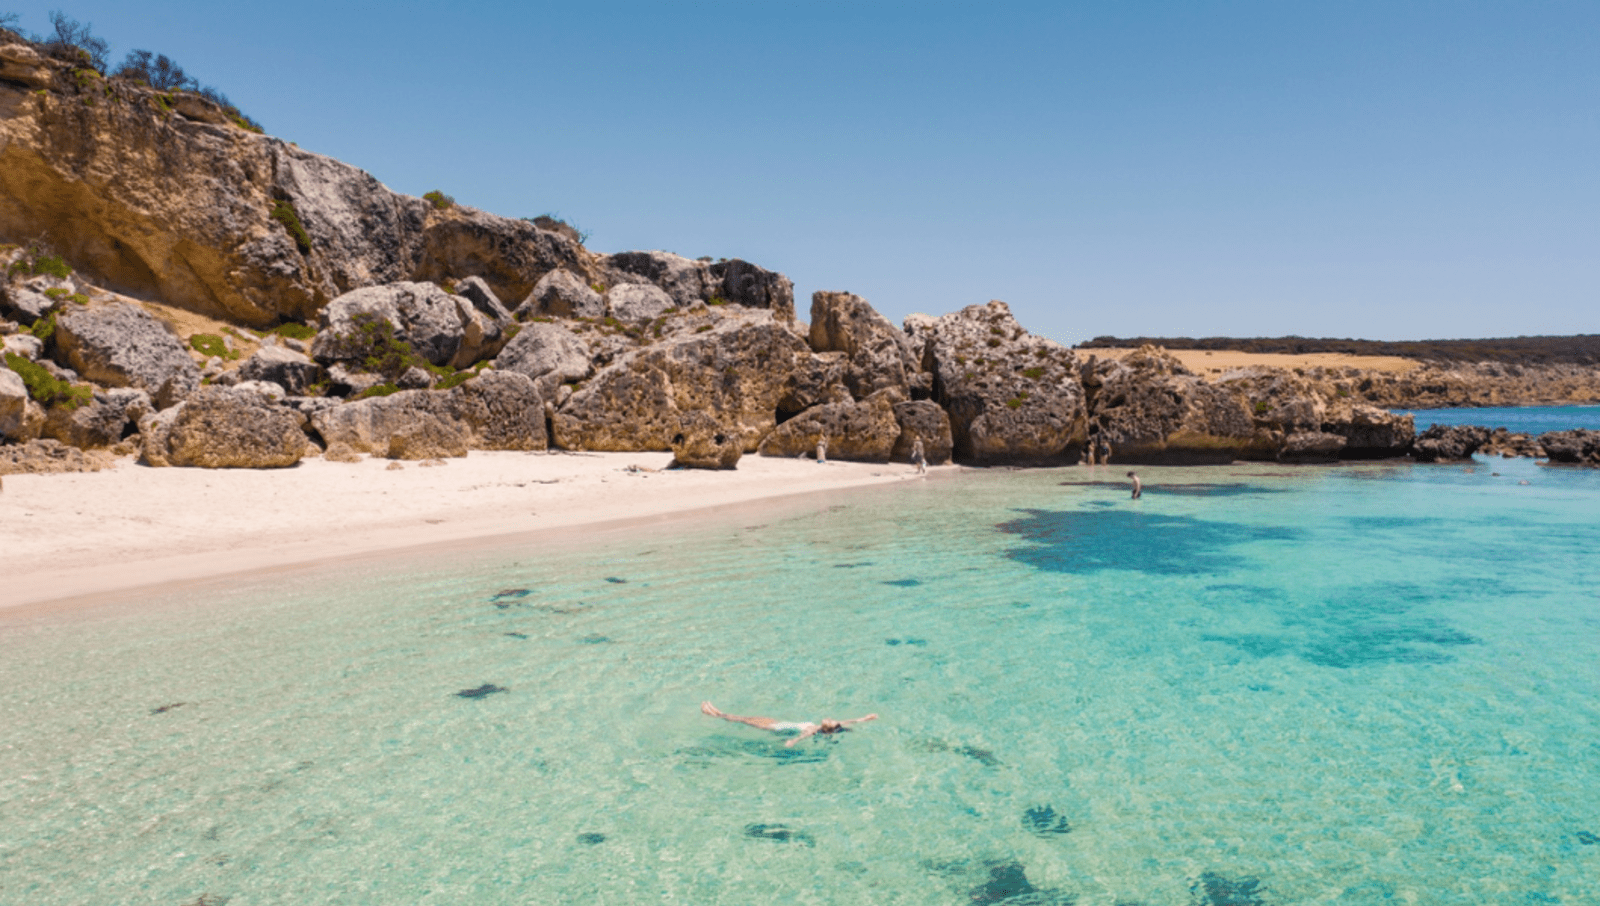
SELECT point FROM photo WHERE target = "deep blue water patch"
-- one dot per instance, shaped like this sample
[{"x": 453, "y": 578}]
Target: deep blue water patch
[
  {"x": 778, "y": 833},
  {"x": 1211, "y": 889},
  {"x": 1080, "y": 541},
  {"x": 591, "y": 839},
  {"x": 722, "y": 748},
  {"x": 483, "y": 691},
  {"x": 1043, "y": 821},
  {"x": 903, "y": 583}
]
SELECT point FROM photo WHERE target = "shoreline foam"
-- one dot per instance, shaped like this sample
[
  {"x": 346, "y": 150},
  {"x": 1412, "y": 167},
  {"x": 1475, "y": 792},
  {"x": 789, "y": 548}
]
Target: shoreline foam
[{"x": 82, "y": 535}]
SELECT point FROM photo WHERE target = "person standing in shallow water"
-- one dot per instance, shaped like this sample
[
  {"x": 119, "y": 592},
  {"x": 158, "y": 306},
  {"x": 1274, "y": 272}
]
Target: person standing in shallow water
[
  {"x": 1138, "y": 487},
  {"x": 827, "y": 726}
]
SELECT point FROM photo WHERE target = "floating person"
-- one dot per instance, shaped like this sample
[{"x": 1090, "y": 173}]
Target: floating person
[
  {"x": 822, "y": 450},
  {"x": 1138, "y": 487},
  {"x": 806, "y": 729},
  {"x": 918, "y": 457}
]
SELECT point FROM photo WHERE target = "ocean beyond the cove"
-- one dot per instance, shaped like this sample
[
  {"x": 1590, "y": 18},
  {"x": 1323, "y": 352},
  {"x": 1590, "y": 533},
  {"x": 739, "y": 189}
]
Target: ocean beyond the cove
[{"x": 1258, "y": 684}]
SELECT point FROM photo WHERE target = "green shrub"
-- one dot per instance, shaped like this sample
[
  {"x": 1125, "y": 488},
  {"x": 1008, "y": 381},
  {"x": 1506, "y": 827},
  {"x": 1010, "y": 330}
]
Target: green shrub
[
  {"x": 79, "y": 299},
  {"x": 512, "y": 331},
  {"x": 461, "y": 377},
  {"x": 376, "y": 390},
  {"x": 45, "y": 389},
  {"x": 209, "y": 344},
  {"x": 44, "y": 328},
  {"x": 57, "y": 293},
  {"x": 716, "y": 300},
  {"x": 379, "y": 351},
  {"x": 283, "y": 211},
  {"x": 295, "y": 331},
  {"x": 1033, "y": 373},
  {"x": 439, "y": 200},
  {"x": 1262, "y": 407}
]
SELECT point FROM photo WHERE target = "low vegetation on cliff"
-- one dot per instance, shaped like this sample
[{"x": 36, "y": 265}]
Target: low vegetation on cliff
[{"x": 1576, "y": 350}]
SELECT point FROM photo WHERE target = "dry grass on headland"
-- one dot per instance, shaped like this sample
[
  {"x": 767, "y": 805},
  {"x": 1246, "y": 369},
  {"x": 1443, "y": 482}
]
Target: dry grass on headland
[{"x": 1209, "y": 362}]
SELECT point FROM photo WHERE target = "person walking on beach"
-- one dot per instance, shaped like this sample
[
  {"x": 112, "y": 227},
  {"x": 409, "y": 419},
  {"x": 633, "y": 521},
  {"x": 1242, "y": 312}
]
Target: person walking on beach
[
  {"x": 1138, "y": 488},
  {"x": 806, "y": 729},
  {"x": 822, "y": 450},
  {"x": 918, "y": 458}
]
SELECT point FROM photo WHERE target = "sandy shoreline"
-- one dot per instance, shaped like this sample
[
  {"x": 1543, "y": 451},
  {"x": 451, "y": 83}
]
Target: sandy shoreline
[{"x": 129, "y": 527}]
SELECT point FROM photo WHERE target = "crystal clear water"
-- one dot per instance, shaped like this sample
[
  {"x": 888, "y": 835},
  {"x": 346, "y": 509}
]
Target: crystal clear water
[
  {"x": 1354, "y": 684},
  {"x": 1516, "y": 419}
]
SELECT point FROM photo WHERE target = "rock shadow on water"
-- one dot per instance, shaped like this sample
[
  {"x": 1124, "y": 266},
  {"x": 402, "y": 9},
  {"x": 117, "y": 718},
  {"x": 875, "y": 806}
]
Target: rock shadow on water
[
  {"x": 1200, "y": 489},
  {"x": 725, "y": 748},
  {"x": 1086, "y": 541},
  {"x": 1006, "y": 883},
  {"x": 1212, "y": 889},
  {"x": 903, "y": 583},
  {"x": 778, "y": 833},
  {"x": 1043, "y": 821},
  {"x": 483, "y": 691}
]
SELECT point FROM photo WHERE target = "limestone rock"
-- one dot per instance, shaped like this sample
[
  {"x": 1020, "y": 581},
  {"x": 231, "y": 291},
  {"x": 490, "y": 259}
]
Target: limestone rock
[
  {"x": 817, "y": 379},
  {"x": 1012, "y": 397},
  {"x": 1507, "y": 444},
  {"x": 701, "y": 443},
  {"x": 688, "y": 281},
  {"x": 21, "y": 63},
  {"x": 736, "y": 372},
  {"x": 427, "y": 436},
  {"x": 743, "y": 283},
  {"x": 1311, "y": 446},
  {"x": 548, "y": 353},
  {"x": 634, "y": 303},
  {"x": 1446, "y": 443},
  {"x": 43, "y": 457},
  {"x": 1282, "y": 405},
  {"x": 121, "y": 345},
  {"x": 444, "y": 329},
  {"x": 494, "y": 411},
  {"x": 291, "y": 370},
  {"x": 222, "y": 428},
  {"x": 924, "y": 420},
  {"x": 24, "y": 304},
  {"x": 26, "y": 345},
  {"x": 225, "y": 222},
  {"x": 862, "y": 432},
  {"x": 110, "y": 416},
  {"x": 20, "y": 417},
  {"x": 561, "y": 294},
  {"x": 1578, "y": 447},
  {"x": 1370, "y": 432},
  {"x": 1148, "y": 408},
  {"x": 879, "y": 354}
]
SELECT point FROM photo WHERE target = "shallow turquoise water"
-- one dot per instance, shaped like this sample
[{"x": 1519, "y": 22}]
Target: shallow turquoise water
[
  {"x": 1357, "y": 684},
  {"x": 1517, "y": 419}
]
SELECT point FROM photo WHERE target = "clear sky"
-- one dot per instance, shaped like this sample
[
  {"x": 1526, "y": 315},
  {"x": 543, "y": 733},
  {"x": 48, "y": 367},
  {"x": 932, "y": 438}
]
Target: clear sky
[{"x": 1382, "y": 170}]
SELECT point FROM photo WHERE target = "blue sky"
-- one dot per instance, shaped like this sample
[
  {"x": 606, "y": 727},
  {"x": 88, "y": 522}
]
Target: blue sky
[{"x": 1384, "y": 170}]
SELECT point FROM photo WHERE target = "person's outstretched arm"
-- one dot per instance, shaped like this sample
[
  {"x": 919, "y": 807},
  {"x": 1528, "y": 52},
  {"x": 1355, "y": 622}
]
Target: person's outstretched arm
[
  {"x": 809, "y": 731},
  {"x": 859, "y": 720}
]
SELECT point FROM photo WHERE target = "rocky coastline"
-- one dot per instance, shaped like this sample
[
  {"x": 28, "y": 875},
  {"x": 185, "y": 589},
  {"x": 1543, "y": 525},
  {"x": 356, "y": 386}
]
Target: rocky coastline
[{"x": 182, "y": 287}]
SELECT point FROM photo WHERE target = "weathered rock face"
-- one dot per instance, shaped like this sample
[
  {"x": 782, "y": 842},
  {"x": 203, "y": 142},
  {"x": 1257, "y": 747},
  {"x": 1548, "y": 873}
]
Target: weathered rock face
[
  {"x": 687, "y": 281},
  {"x": 24, "y": 304},
  {"x": 1446, "y": 443},
  {"x": 440, "y": 327},
  {"x": 157, "y": 203},
  {"x": 222, "y": 428},
  {"x": 494, "y": 411},
  {"x": 1446, "y": 385},
  {"x": 111, "y": 416},
  {"x": 863, "y": 432},
  {"x": 21, "y": 63},
  {"x": 1311, "y": 446},
  {"x": 924, "y": 420},
  {"x": 291, "y": 370},
  {"x": 1578, "y": 447},
  {"x": 42, "y": 457},
  {"x": 1150, "y": 409},
  {"x": 701, "y": 443},
  {"x": 549, "y": 354},
  {"x": 634, "y": 303},
  {"x": 1370, "y": 432},
  {"x": 736, "y": 372},
  {"x": 879, "y": 355},
  {"x": 1012, "y": 397},
  {"x": 121, "y": 345},
  {"x": 20, "y": 417},
  {"x": 1507, "y": 444},
  {"x": 561, "y": 294},
  {"x": 1287, "y": 412},
  {"x": 26, "y": 345}
]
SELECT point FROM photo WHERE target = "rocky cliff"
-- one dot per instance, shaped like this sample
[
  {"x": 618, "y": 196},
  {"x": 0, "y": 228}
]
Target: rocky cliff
[{"x": 182, "y": 286}]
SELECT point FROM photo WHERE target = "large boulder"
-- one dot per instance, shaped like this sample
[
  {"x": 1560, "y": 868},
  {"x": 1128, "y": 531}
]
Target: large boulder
[
  {"x": 45, "y": 456},
  {"x": 1148, "y": 408},
  {"x": 1578, "y": 447},
  {"x": 1012, "y": 397},
  {"x": 121, "y": 345},
  {"x": 222, "y": 221},
  {"x": 879, "y": 355},
  {"x": 1449, "y": 443},
  {"x": 864, "y": 431},
  {"x": 223, "y": 428},
  {"x": 1287, "y": 411},
  {"x": 562, "y": 294},
  {"x": 106, "y": 419},
  {"x": 737, "y": 371},
  {"x": 494, "y": 411},
  {"x": 1370, "y": 432},
  {"x": 445, "y": 329},
  {"x": 1508, "y": 444},
  {"x": 702, "y": 443},
  {"x": 549, "y": 354},
  {"x": 635, "y": 303},
  {"x": 689, "y": 281},
  {"x": 24, "y": 65},
  {"x": 20, "y": 417},
  {"x": 922, "y": 420},
  {"x": 1311, "y": 446},
  {"x": 24, "y": 304},
  {"x": 291, "y": 370}
]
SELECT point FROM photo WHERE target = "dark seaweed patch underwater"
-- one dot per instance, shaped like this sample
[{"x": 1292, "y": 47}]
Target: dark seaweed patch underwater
[{"x": 1084, "y": 541}]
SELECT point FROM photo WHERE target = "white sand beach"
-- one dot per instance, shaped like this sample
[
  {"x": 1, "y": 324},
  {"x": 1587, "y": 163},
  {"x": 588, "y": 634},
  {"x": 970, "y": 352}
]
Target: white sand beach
[{"x": 74, "y": 535}]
